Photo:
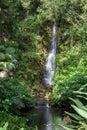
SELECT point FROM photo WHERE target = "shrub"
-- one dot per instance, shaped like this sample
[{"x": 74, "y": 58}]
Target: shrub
[
  {"x": 13, "y": 122},
  {"x": 14, "y": 96},
  {"x": 2, "y": 56},
  {"x": 71, "y": 74}
]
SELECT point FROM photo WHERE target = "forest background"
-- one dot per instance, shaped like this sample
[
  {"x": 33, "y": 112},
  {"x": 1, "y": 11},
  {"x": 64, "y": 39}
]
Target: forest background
[{"x": 25, "y": 37}]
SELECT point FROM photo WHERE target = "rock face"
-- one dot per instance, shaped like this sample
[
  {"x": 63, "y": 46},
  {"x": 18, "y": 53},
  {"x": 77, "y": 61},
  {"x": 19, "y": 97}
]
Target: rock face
[{"x": 4, "y": 74}]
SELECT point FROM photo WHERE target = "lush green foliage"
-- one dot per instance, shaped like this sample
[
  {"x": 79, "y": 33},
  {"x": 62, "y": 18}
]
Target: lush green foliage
[
  {"x": 79, "y": 119},
  {"x": 7, "y": 58},
  {"x": 25, "y": 32},
  {"x": 4, "y": 127},
  {"x": 14, "y": 122},
  {"x": 70, "y": 74},
  {"x": 71, "y": 63},
  {"x": 14, "y": 96},
  {"x": 18, "y": 33}
]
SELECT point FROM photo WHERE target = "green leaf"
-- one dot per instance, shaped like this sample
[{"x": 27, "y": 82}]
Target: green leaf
[
  {"x": 79, "y": 92},
  {"x": 5, "y": 126},
  {"x": 79, "y": 103},
  {"x": 22, "y": 129},
  {"x": 66, "y": 128},
  {"x": 10, "y": 66},
  {"x": 82, "y": 97},
  {"x": 84, "y": 125},
  {"x": 75, "y": 116},
  {"x": 81, "y": 112}
]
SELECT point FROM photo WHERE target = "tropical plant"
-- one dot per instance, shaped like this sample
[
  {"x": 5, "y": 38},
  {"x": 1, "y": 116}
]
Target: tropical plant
[{"x": 79, "y": 118}]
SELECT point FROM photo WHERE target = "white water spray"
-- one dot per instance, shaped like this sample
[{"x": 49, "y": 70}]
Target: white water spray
[{"x": 50, "y": 63}]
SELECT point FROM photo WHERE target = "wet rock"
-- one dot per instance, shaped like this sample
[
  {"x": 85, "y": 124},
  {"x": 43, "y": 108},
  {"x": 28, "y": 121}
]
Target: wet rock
[{"x": 40, "y": 103}]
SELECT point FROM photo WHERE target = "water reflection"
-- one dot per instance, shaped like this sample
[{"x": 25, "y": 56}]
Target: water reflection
[{"x": 45, "y": 118}]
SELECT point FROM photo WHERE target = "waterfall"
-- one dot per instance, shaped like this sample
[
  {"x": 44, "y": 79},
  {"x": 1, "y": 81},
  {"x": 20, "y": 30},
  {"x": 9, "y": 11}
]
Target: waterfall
[{"x": 50, "y": 62}]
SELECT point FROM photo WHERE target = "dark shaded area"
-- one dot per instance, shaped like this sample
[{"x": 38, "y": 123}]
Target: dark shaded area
[{"x": 45, "y": 118}]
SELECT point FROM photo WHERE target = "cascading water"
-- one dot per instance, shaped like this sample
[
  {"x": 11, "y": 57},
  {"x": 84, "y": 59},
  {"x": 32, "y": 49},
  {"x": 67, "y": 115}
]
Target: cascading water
[{"x": 50, "y": 63}]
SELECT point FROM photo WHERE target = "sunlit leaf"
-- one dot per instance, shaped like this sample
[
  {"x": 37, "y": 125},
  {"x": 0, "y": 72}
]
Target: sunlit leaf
[{"x": 81, "y": 112}]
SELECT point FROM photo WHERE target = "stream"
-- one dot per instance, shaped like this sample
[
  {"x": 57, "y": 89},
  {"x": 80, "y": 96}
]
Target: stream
[{"x": 45, "y": 118}]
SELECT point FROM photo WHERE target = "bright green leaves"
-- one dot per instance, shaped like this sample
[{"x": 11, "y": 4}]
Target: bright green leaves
[
  {"x": 10, "y": 66},
  {"x": 80, "y": 107},
  {"x": 4, "y": 127},
  {"x": 71, "y": 74},
  {"x": 81, "y": 112},
  {"x": 7, "y": 66},
  {"x": 26, "y": 3}
]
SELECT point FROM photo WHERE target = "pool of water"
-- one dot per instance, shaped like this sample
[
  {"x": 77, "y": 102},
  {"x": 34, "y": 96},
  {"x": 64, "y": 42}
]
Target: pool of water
[{"x": 45, "y": 118}]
